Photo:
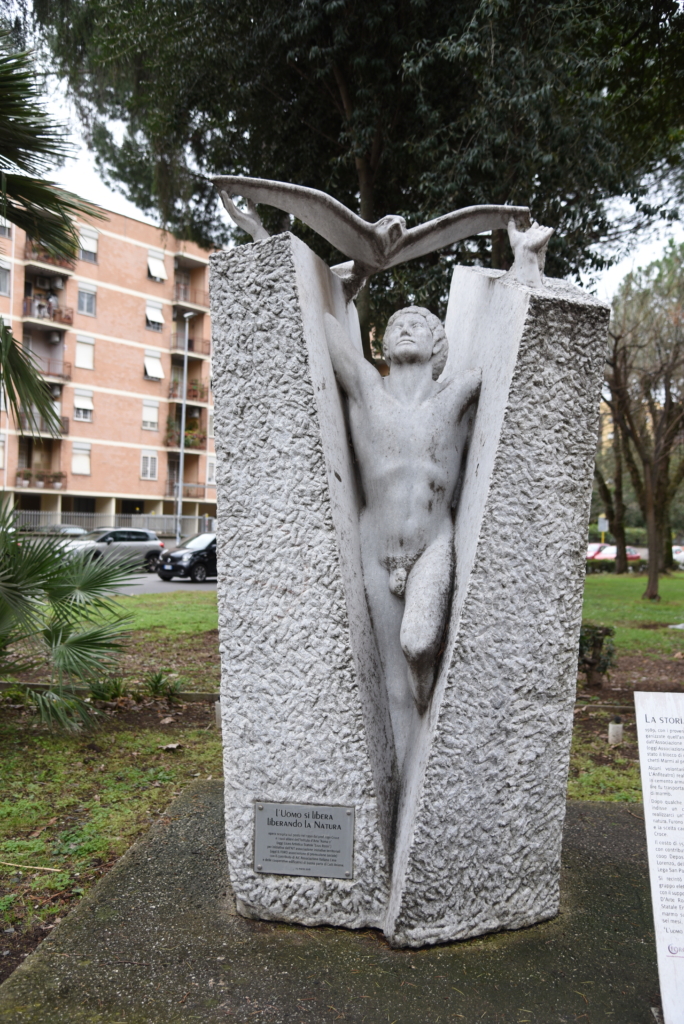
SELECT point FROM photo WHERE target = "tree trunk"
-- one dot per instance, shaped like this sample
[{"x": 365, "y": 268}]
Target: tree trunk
[
  {"x": 653, "y": 537},
  {"x": 364, "y": 310},
  {"x": 617, "y": 527},
  {"x": 501, "y": 250},
  {"x": 668, "y": 560}
]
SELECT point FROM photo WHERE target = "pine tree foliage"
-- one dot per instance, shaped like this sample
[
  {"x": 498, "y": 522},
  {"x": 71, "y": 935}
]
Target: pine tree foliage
[{"x": 399, "y": 106}]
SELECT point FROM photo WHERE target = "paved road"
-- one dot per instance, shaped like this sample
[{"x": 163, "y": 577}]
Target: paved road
[{"x": 149, "y": 583}]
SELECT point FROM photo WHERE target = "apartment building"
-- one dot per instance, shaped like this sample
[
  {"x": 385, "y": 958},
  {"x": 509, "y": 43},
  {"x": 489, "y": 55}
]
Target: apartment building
[{"x": 107, "y": 333}]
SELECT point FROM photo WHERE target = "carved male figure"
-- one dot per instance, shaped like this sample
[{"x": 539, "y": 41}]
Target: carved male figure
[{"x": 409, "y": 432}]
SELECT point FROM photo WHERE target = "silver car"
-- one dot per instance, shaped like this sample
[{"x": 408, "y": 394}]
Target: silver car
[{"x": 141, "y": 546}]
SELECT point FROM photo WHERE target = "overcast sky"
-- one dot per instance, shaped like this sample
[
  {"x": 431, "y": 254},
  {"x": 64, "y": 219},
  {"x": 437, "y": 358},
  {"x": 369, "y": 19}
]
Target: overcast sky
[{"x": 79, "y": 175}]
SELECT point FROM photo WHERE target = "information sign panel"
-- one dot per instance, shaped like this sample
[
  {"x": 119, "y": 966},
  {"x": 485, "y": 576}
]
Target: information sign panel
[
  {"x": 660, "y": 728},
  {"x": 315, "y": 840}
]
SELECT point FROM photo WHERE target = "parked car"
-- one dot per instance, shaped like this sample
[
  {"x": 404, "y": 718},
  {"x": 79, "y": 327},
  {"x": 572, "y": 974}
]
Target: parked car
[
  {"x": 678, "y": 555},
  {"x": 194, "y": 558},
  {"x": 608, "y": 553},
  {"x": 142, "y": 546},
  {"x": 61, "y": 530},
  {"x": 594, "y": 549}
]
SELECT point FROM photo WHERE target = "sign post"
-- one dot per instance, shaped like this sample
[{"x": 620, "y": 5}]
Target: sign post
[
  {"x": 660, "y": 728},
  {"x": 603, "y": 526}
]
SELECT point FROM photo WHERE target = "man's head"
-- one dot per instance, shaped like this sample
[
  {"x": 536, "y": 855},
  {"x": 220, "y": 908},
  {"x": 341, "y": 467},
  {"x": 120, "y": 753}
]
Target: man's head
[{"x": 415, "y": 335}]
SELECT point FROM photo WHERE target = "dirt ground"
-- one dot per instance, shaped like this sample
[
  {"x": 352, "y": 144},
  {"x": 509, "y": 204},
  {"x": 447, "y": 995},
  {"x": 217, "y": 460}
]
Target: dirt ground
[
  {"x": 639, "y": 672},
  {"x": 192, "y": 658}
]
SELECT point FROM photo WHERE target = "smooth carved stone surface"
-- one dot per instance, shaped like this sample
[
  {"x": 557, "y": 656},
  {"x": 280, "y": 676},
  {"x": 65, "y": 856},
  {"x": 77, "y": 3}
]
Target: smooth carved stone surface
[
  {"x": 481, "y": 822},
  {"x": 301, "y": 709}
]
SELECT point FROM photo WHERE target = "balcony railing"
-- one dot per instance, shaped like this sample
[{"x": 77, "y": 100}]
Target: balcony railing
[
  {"x": 196, "y": 346},
  {"x": 52, "y": 367},
  {"x": 42, "y": 425},
  {"x": 194, "y": 296},
  {"x": 35, "y": 252},
  {"x": 41, "y": 479},
  {"x": 194, "y": 439},
  {"x": 189, "y": 490},
  {"x": 41, "y": 310},
  {"x": 195, "y": 392}
]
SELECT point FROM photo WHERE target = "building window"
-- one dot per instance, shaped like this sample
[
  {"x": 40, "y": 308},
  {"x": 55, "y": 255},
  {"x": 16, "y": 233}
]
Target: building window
[
  {"x": 88, "y": 245},
  {"x": 148, "y": 466},
  {"x": 211, "y": 472},
  {"x": 154, "y": 318},
  {"x": 80, "y": 460},
  {"x": 153, "y": 366},
  {"x": 83, "y": 406},
  {"x": 150, "y": 418},
  {"x": 5, "y": 228},
  {"x": 4, "y": 279},
  {"x": 86, "y": 300},
  {"x": 155, "y": 266},
  {"x": 210, "y": 428},
  {"x": 85, "y": 353},
  {"x": 2, "y": 454}
]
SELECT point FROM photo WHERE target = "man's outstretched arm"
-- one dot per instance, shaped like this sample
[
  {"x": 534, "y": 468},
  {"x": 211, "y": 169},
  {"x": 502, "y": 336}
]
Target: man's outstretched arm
[{"x": 354, "y": 373}]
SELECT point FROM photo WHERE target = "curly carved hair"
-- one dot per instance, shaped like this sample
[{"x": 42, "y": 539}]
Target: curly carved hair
[{"x": 440, "y": 349}]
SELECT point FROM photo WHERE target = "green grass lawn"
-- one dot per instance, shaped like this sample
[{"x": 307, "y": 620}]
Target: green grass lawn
[
  {"x": 169, "y": 614},
  {"x": 616, "y": 601},
  {"x": 74, "y": 803}
]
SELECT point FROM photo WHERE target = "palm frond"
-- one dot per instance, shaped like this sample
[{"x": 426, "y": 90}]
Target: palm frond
[
  {"x": 29, "y": 139},
  {"x": 45, "y": 211},
  {"x": 83, "y": 653},
  {"x": 84, "y": 585},
  {"x": 63, "y": 708},
  {"x": 26, "y": 390},
  {"x": 30, "y": 142}
]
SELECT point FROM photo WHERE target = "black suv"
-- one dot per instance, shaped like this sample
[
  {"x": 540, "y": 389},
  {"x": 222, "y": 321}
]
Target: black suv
[{"x": 195, "y": 558}]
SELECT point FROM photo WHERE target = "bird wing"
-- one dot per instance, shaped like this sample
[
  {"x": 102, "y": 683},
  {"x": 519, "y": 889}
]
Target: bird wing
[
  {"x": 452, "y": 227},
  {"x": 333, "y": 221}
]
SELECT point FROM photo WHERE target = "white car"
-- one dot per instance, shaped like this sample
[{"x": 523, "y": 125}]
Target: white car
[{"x": 678, "y": 555}]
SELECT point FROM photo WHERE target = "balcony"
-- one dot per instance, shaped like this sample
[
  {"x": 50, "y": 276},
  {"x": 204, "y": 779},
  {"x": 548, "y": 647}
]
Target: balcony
[
  {"x": 52, "y": 367},
  {"x": 42, "y": 426},
  {"x": 195, "y": 392},
  {"x": 184, "y": 295},
  {"x": 34, "y": 253},
  {"x": 196, "y": 346},
  {"x": 196, "y": 491},
  {"x": 38, "y": 309},
  {"x": 41, "y": 480},
  {"x": 194, "y": 439}
]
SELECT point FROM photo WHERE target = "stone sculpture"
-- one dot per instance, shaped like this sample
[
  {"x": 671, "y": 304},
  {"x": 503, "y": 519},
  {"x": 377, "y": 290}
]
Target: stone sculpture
[
  {"x": 409, "y": 432},
  {"x": 372, "y": 247},
  {"x": 421, "y": 694}
]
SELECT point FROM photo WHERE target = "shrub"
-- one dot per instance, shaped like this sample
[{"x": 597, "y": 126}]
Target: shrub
[
  {"x": 157, "y": 685},
  {"x": 596, "y": 652},
  {"x": 108, "y": 689}
]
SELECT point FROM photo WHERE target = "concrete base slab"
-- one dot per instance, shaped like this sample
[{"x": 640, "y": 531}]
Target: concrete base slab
[{"x": 159, "y": 942}]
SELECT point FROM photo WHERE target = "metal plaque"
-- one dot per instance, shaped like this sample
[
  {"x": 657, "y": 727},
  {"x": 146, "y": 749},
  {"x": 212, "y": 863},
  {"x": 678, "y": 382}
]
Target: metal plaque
[{"x": 304, "y": 839}]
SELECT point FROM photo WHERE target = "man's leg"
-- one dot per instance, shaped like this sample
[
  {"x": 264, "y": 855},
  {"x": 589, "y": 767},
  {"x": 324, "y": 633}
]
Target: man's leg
[
  {"x": 386, "y": 610},
  {"x": 428, "y": 595}
]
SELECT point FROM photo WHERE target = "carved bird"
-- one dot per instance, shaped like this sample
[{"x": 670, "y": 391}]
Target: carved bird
[{"x": 371, "y": 247}]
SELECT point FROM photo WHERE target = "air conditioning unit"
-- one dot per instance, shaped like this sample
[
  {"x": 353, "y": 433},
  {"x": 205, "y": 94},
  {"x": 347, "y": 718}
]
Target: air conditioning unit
[
  {"x": 57, "y": 283},
  {"x": 54, "y": 337},
  {"x": 43, "y": 282}
]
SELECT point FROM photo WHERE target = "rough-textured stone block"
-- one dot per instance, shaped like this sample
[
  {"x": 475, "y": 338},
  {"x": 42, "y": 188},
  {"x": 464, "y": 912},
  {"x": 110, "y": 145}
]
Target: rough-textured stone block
[{"x": 302, "y": 705}]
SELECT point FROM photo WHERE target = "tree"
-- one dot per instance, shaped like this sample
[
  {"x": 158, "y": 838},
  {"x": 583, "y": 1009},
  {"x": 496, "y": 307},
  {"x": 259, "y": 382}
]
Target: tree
[
  {"x": 400, "y": 106},
  {"x": 645, "y": 380},
  {"x": 29, "y": 141},
  {"x": 614, "y": 500}
]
